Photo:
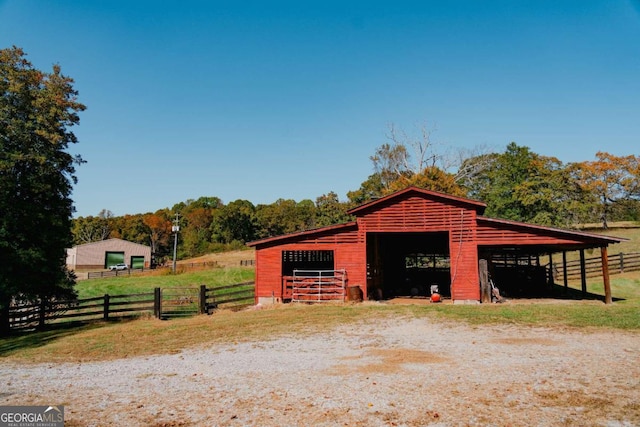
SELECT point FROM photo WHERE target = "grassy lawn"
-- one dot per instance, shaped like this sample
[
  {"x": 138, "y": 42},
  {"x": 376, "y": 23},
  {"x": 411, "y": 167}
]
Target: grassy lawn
[
  {"x": 100, "y": 341},
  {"x": 145, "y": 283}
]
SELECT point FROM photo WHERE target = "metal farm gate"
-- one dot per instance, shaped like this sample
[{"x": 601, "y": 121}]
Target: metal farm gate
[
  {"x": 319, "y": 285},
  {"x": 175, "y": 302}
]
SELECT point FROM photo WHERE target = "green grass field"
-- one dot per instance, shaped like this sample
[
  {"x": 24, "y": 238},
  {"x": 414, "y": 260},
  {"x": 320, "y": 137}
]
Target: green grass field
[
  {"x": 109, "y": 340},
  {"x": 145, "y": 283}
]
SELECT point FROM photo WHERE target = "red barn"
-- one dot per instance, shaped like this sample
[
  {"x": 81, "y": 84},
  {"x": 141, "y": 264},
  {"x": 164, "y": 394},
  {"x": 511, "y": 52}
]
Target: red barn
[{"x": 407, "y": 242}]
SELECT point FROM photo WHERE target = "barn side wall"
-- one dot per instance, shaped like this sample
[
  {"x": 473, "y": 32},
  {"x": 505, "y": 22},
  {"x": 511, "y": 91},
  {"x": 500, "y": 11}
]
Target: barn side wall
[{"x": 349, "y": 254}]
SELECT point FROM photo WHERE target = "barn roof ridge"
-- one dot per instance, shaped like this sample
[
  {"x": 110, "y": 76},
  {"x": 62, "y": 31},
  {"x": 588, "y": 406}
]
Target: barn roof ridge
[{"x": 476, "y": 204}]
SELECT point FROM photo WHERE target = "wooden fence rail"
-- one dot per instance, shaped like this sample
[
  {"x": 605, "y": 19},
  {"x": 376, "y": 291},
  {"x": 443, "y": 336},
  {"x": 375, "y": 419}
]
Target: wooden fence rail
[
  {"x": 130, "y": 271},
  {"x": 618, "y": 263},
  {"x": 106, "y": 307}
]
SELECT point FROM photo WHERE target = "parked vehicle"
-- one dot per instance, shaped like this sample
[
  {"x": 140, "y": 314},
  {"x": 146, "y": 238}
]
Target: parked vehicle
[{"x": 120, "y": 266}]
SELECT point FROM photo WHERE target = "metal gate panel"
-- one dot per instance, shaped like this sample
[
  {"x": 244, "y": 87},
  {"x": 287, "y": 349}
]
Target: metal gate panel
[{"x": 175, "y": 302}]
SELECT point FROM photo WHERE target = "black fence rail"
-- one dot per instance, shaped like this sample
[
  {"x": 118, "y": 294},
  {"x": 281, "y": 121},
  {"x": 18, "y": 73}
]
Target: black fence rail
[
  {"x": 247, "y": 262},
  {"x": 115, "y": 273},
  {"x": 130, "y": 271},
  {"x": 618, "y": 263},
  {"x": 162, "y": 303},
  {"x": 98, "y": 308},
  {"x": 232, "y": 296}
]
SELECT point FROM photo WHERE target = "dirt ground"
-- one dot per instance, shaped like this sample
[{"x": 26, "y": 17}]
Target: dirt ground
[{"x": 392, "y": 372}]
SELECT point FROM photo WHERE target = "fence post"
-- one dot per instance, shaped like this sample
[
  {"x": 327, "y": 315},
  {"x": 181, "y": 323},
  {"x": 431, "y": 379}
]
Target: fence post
[
  {"x": 42, "y": 313},
  {"x": 157, "y": 306},
  {"x": 203, "y": 299},
  {"x": 621, "y": 262},
  {"x": 583, "y": 273},
  {"x": 106, "y": 307}
]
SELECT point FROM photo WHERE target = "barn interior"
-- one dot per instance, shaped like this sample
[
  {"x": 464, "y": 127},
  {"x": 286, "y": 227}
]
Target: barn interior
[
  {"x": 518, "y": 272},
  {"x": 407, "y": 264}
]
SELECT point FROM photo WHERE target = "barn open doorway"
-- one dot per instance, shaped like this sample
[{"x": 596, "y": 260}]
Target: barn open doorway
[{"x": 407, "y": 264}]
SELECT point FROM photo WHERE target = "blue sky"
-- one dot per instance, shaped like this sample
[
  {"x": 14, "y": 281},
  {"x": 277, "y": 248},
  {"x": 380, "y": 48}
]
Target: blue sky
[{"x": 268, "y": 100}]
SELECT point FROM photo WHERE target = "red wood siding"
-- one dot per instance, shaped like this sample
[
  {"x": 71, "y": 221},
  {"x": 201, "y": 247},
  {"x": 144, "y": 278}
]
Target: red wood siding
[
  {"x": 350, "y": 256},
  {"x": 505, "y": 235},
  {"x": 416, "y": 214},
  {"x": 463, "y": 252}
]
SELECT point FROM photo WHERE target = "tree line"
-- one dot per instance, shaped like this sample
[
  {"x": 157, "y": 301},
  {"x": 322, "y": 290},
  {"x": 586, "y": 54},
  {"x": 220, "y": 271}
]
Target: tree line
[{"x": 516, "y": 184}]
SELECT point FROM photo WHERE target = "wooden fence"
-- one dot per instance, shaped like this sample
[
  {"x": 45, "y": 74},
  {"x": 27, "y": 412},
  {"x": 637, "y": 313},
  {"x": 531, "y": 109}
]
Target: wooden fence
[
  {"x": 162, "y": 303},
  {"x": 618, "y": 263},
  {"x": 130, "y": 271}
]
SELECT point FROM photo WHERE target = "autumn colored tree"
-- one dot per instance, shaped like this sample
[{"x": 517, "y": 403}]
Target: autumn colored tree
[
  {"x": 92, "y": 228},
  {"x": 411, "y": 159},
  {"x": 611, "y": 179},
  {"x": 159, "y": 228},
  {"x": 431, "y": 178},
  {"x": 37, "y": 110}
]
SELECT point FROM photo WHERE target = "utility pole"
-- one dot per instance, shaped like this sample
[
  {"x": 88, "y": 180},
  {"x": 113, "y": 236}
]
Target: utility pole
[{"x": 175, "y": 228}]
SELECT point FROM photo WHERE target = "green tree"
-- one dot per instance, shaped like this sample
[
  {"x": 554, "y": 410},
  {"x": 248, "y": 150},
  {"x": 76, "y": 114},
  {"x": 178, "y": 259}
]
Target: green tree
[
  {"x": 36, "y": 177},
  {"x": 329, "y": 210},
  {"x": 195, "y": 232},
  {"x": 284, "y": 216},
  {"x": 521, "y": 185},
  {"x": 235, "y": 222},
  {"x": 370, "y": 189}
]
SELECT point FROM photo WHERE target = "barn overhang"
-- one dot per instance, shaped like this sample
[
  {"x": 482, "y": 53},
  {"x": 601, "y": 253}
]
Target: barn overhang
[{"x": 513, "y": 236}]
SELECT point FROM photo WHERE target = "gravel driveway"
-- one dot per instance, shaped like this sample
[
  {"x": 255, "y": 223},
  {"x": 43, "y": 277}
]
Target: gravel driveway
[{"x": 399, "y": 372}]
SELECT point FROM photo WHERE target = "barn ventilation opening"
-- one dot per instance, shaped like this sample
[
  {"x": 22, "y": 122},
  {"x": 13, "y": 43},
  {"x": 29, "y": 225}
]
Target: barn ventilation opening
[{"x": 306, "y": 260}]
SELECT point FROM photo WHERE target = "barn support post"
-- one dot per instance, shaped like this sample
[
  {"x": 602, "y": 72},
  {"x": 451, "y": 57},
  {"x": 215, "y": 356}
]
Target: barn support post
[
  {"x": 485, "y": 287},
  {"x": 551, "y": 268},
  {"x": 583, "y": 273},
  {"x": 564, "y": 272},
  {"x": 605, "y": 275}
]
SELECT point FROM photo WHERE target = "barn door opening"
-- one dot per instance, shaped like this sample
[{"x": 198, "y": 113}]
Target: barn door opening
[{"x": 407, "y": 264}]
